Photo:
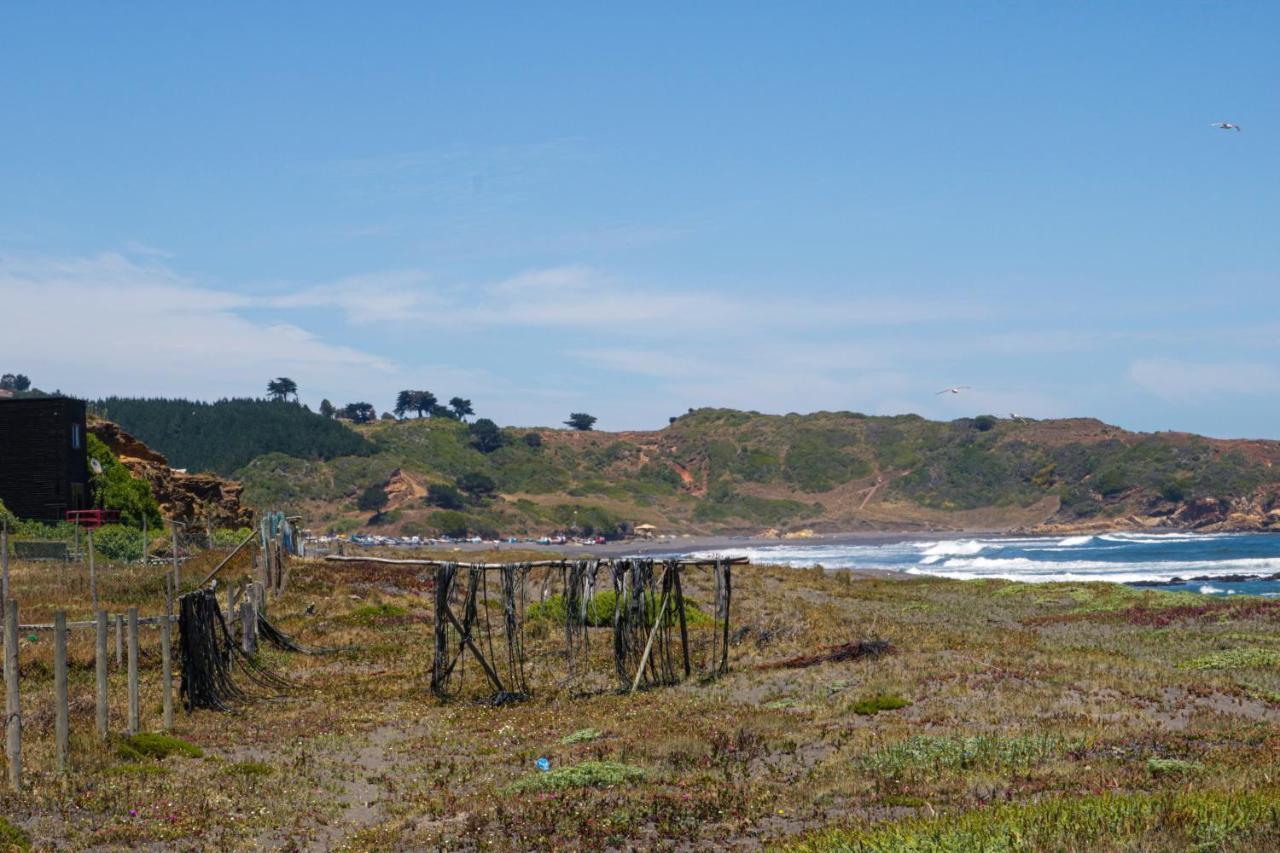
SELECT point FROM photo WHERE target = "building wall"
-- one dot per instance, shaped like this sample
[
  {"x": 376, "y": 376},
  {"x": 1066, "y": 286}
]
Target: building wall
[{"x": 43, "y": 462}]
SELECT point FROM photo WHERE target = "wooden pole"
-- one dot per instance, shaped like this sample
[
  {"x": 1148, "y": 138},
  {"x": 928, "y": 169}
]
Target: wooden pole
[
  {"x": 684, "y": 628},
  {"x": 119, "y": 640},
  {"x": 648, "y": 646},
  {"x": 4, "y": 561},
  {"x": 227, "y": 559},
  {"x": 12, "y": 705},
  {"x": 135, "y": 711},
  {"x": 247, "y": 620},
  {"x": 100, "y": 660},
  {"x": 93, "y": 573},
  {"x": 177, "y": 580},
  {"x": 166, "y": 668},
  {"x": 60, "y": 723},
  {"x": 555, "y": 564}
]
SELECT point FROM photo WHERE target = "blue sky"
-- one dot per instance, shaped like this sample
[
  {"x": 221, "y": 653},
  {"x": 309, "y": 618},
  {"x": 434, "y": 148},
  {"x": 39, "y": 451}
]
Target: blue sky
[{"x": 630, "y": 212}]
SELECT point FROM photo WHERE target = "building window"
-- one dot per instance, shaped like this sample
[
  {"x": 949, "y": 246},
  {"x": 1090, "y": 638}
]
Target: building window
[{"x": 75, "y": 436}]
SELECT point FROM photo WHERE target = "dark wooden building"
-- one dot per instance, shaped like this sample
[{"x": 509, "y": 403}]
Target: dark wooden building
[{"x": 44, "y": 469}]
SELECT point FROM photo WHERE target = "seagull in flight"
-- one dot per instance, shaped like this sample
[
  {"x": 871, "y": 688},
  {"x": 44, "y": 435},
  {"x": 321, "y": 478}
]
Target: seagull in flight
[
  {"x": 1225, "y": 125},
  {"x": 955, "y": 390}
]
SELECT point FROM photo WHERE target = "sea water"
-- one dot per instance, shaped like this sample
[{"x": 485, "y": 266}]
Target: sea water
[{"x": 1210, "y": 563}]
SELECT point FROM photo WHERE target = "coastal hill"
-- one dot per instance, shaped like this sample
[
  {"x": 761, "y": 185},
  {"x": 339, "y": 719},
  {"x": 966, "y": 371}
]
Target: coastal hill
[{"x": 718, "y": 470}]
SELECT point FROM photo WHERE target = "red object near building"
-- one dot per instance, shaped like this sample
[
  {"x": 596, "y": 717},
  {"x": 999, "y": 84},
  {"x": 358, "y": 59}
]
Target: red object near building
[{"x": 93, "y": 518}]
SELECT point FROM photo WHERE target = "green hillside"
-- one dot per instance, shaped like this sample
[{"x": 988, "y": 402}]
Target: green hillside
[
  {"x": 722, "y": 470},
  {"x": 223, "y": 436}
]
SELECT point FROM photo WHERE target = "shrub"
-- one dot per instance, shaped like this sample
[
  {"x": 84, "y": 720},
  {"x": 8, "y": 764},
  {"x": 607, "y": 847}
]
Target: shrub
[
  {"x": 581, "y": 736},
  {"x": 450, "y": 523},
  {"x": 372, "y": 499},
  {"x": 533, "y": 439},
  {"x": 444, "y": 496},
  {"x": 155, "y": 745},
  {"x": 477, "y": 485},
  {"x": 116, "y": 488},
  {"x": 984, "y": 423},
  {"x": 11, "y": 837},
  {"x": 588, "y": 774},
  {"x": 880, "y": 702},
  {"x": 117, "y": 542}
]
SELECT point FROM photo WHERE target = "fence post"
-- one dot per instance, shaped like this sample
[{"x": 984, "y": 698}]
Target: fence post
[
  {"x": 93, "y": 573},
  {"x": 60, "y": 722},
  {"x": 177, "y": 581},
  {"x": 166, "y": 657},
  {"x": 119, "y": 622},
  {"x": 4, "y": 560},
  {"x": 134, "y": 709},
  {"x": 13, "y": 707},
  {"x": 247, "y": 620},
  {"x": 100, "y": 661}
]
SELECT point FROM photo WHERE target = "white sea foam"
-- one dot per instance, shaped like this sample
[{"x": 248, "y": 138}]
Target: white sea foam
[
  {"x": 947, "y": 547},
  {"x": 1072, "y": 541},
  {"x": 1209, "y": 589}
]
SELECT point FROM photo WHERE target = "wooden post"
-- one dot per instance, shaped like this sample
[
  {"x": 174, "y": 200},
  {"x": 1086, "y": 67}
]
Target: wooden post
[
  {"x": 12, "y": 705},
  {"x": 247, "y": 620},
  {"x": 134, "y": 709},
  {"x": 684, "y": 628},
  {"x": 177, "y": 580},
  {"x": 60, "y": 721},
  {"x": 100, "y": 659},
  {"x": 648, "y": 646},
  {"x": 119, "y": 640},
  {"x": 4, "y": 561},
  {"x": 93, "y": 573},
  {"x": 166, "y": 667},
  {"x": 231, "y": 600}
]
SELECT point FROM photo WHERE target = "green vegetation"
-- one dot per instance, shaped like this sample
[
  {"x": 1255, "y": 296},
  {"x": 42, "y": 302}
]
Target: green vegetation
[
  {"x": 923, "y": 753},
  {"x": 716, "y": 469},
  {"x": 588, "y": 774},
  {"x": 228, "y": 434},
  {"x": 11, "y": 837},
  {"x": 600, "y": 607},
  {"x": 1236, "y": 659},
  {"x": 581, "y": 736},
  {"x": 880, "y": 702},
  {"x": 155, "y": 745},
  {"x": 1200, "y": 820},
  {"x": 116, "y": 488}
]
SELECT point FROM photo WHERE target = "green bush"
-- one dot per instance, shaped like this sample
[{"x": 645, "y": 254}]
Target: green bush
[
  {"x": 117, "y": 542},
  {"x": 450, "y": 523},
  {"x": 155, "y": 745},
  {"x": 588, "y": 774},
  {"x": 230, "y": 537},
  {"x": 116, "y": 488},
  {"x": 880, "y": 702},
  {"x": 11, "y": 837}
]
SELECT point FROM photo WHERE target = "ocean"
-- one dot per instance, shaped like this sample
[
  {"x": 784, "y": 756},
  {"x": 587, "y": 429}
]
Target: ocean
[{"x": 1210, "y": 563}]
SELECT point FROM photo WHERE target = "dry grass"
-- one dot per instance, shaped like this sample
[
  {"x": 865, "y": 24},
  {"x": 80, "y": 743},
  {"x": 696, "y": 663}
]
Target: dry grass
[{"x": 1017, "y": 723}]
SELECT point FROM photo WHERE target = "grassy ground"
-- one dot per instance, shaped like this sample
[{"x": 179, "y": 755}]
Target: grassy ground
[{"x": 1008, "y": 716}]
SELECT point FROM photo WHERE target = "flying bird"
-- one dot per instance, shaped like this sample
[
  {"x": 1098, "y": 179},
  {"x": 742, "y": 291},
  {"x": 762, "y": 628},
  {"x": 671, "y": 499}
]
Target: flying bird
[
  {"x": 955, "y": 390},
  {"x": 1225, "y": 125}
]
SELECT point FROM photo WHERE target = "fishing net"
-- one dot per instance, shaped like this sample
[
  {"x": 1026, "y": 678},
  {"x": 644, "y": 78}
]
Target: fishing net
[{"x": 212, "y": 661}]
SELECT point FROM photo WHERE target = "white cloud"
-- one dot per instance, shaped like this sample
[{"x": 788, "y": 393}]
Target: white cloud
[
  {"x": 108, "y": 324},
  {"x": 1185, "y": 381}
]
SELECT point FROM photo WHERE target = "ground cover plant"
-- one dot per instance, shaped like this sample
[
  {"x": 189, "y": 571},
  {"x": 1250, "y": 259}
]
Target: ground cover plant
[{"x": 1006, "y": 717}]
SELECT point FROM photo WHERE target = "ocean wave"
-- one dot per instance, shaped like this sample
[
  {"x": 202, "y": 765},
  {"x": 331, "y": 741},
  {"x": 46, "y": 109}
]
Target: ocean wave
[
  {"x": 1043, "y": 571},
  {"x": 1209, "y": 589},
  {"x": 948, "y": 547},
  {"x": 1073, "y": 541}
]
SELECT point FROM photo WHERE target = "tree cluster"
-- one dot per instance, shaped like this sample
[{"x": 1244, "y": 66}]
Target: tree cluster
[
  {"x": 226, "y": 435},
  {"x": 426, "y": 403},
  {"x": 14, "y": 382}
]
